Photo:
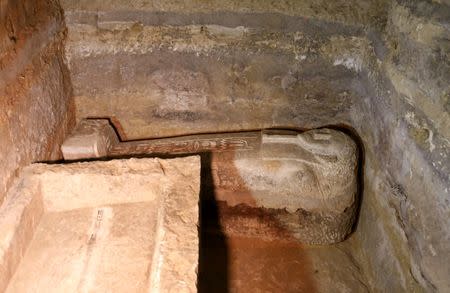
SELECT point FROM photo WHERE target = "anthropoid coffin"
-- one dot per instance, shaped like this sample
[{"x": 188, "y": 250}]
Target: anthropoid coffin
[{"x": 293, "y": 185}]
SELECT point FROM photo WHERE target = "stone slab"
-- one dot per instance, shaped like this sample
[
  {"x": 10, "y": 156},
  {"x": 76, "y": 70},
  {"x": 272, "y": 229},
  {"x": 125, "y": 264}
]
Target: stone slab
[
  {"x": 62, "y": 231},
  {"x": 92, "y": 138}
]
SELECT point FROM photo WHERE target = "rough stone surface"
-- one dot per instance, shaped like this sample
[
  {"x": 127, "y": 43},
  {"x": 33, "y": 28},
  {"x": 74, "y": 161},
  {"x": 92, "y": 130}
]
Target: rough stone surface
[
  {"x": 313, "y": 170},
  {"x": 135, "y": 218},
  {"x": 36, "y": 107},
  {"x": 306, "y": 182},
  {"x": 206, "y": 93},
  {"x": 19, "y": 217},
  {"x": 352, "y": 12},
  {"x": 203, "y": 75},
  {"x": 404, "y": 126}
]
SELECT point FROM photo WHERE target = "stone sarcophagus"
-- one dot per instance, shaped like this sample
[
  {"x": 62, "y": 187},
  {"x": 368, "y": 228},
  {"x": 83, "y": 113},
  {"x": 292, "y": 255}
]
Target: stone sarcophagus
[
  {"x": 116, "y": 226},
  {"x": 265, "y": 184}
]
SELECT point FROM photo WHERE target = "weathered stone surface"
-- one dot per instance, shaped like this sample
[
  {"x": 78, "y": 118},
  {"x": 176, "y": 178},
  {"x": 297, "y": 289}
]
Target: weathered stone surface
[
  {"x": 205, "y": 77},
  {"x": 313, "y": 170},
  {"x": 36, "y": 106},
  {"x": 352, "y": 12},
  {"x": 19, "y": 217},
  {"x": 108, "y": 226},
  {"x": 92, "y": 138},
  {"x": 96, "y": 138},
  {"x": 407, "y": 158},
  {"x": 306, "y": 183}
]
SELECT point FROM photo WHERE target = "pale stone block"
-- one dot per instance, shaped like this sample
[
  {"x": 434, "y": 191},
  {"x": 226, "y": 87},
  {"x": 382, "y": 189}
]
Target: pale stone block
[
  {"x": 116, "y": 226},
  {"x": 92, "y": 138}
]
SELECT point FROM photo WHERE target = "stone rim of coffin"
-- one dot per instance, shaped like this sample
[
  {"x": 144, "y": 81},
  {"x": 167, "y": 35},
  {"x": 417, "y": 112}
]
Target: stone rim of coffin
[{"x": 171, "y": 186}]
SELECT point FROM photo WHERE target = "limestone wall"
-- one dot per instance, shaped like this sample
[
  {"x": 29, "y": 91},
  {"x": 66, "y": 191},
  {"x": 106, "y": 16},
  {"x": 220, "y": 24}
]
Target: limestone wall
[
  {"x": 404, "y": 124},
  {"x": 35, "y": 94},
  {"x": 169, "y": 74}
]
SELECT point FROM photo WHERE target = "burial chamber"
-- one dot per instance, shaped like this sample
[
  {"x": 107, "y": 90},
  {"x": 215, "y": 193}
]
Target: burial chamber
[{"x": 301, "y": 145}]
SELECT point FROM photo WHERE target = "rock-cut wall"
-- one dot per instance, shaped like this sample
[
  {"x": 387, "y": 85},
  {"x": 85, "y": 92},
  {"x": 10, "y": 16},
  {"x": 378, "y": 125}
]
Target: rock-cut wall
[
  {"x": 36, "y": 109},
  {"x": 404, "y": 123}
]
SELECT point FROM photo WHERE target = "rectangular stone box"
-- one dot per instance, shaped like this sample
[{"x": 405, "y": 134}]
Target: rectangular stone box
[{"x": 116, "y": 226}]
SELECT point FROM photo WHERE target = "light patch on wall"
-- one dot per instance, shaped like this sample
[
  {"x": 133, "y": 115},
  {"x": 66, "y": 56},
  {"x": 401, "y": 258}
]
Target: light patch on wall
[
  {"x": 300, "y": 57},
  {"x": 430, "y": 141},
  {"x": 412, "y": 121},
  {"x": 351, "y": 63}
]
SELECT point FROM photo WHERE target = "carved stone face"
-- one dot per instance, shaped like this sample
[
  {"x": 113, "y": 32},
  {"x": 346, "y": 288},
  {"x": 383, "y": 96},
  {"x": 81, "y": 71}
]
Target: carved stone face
[
  {"x": 313, "y": 170},
  {"x": 328, "y": 144}
]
